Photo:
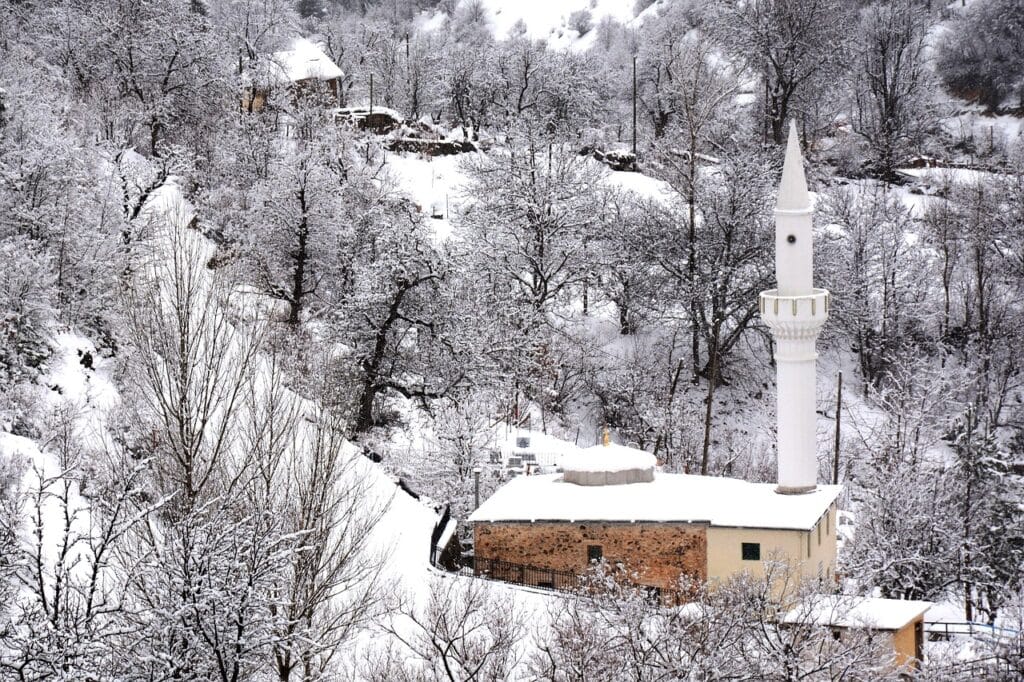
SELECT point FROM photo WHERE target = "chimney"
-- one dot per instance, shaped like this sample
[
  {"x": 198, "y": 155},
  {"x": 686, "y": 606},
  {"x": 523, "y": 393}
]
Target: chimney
[{"x": 795, "y": 312}]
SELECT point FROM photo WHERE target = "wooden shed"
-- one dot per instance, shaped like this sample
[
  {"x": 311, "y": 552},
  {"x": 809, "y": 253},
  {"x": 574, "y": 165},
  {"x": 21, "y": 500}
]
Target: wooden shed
[{"x": 900, "y": 620}]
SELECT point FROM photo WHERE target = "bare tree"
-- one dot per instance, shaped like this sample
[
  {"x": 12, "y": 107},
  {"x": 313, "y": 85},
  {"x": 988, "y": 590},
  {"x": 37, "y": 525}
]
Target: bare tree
[
  {"x": 791, "y": 44},
  {"x": 464, "y": 631},
  {"x": 207, "y": 562},
  {"x": 890, "y": 81},
  {"x": 331, "y": 585},
  {"x": 69, "y": 612},
  {"x": 701, "y": 97},
  {"x": 745, "y": 628}
]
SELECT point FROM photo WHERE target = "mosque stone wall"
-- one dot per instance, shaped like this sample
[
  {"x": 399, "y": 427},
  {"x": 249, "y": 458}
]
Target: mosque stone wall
[{"x": 659, "y": 553}]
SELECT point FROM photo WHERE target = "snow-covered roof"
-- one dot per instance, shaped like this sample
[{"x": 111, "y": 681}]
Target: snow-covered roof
[
  {"x": 718, "y": 501},
  {"x": 846, "y": 611},
  {"x": 304, "y": 60},
  {"x": 610, "y": 458}
]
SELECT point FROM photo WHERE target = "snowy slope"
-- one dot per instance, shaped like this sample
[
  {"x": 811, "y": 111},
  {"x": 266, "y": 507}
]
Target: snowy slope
[{"x": 401, "y": 538}]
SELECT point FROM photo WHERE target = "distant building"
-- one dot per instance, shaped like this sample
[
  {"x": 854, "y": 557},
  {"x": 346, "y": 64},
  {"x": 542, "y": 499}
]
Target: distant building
[
  {"x": 302, "y": 70},
  {"x": 523, "y": 451},
  {"x": 378, "y": 120}
]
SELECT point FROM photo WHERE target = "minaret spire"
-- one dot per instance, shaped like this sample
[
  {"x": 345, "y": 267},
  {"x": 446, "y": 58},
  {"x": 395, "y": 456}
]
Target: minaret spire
[
  {"x": 793, "y": 194},
  {"x": 793, "y": 224},
  {"x": 795, "y": 312}
]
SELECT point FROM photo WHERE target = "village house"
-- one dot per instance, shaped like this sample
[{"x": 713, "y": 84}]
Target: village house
[
  {"x": 303, "y": 70},
  {"x": 899, "y": 621}
]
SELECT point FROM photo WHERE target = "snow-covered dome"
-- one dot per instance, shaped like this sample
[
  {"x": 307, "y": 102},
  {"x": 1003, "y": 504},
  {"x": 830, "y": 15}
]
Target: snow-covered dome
[{"x": 608, "y": 465}]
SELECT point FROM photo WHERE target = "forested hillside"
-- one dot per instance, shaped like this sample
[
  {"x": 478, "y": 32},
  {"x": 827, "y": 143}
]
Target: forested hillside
[{"x": 276, "y": 277}]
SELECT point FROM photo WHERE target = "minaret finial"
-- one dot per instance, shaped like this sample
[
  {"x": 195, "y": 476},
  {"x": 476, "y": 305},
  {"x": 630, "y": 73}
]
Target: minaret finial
[{"x": 606, "y": 437}]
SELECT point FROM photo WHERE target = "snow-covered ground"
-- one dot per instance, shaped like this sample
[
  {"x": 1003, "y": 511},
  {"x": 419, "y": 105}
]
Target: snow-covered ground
[
  {"x": 549, "y": 20},
  {"x": 433, "y": 183}
]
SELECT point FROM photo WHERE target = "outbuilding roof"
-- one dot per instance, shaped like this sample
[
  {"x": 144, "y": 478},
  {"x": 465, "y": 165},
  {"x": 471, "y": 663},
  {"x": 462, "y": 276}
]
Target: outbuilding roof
[
  {"x": 845, "y": 611},
  {"x": 717, "y": 501}
]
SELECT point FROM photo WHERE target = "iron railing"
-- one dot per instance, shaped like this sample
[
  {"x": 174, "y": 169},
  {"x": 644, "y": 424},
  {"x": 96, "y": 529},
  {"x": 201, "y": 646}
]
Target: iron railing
[
  {"x": 943, "y": 630},
  {"x": 553, "y": 579},
  {"x": 988, "y": 668},
  {"x": 521, "y": 574}
]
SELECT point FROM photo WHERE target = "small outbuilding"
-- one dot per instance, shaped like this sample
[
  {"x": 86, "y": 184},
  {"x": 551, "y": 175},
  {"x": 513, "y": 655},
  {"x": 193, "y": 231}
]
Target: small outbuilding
[{"x": 901, "y": 621}]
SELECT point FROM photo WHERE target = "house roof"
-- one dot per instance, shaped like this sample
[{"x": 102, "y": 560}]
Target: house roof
[
  {"x": 302, "y": 61},
  {"x": 718, "y": 501},
  {"x": 846, "y": 611}
]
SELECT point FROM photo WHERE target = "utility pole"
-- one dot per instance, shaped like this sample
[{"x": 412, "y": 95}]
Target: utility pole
[
  {"x": 476, "y": 487},
  {"x": 634, "y": 107},
  {"x": 371, "y": 93},
  {"x": 839, "y": 418}
]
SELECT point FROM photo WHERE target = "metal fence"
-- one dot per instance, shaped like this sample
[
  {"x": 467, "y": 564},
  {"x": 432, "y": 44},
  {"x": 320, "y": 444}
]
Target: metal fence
[
  {"x": 942, "y": 630},
  {"x": 552, "y": 579},
  {"x": 520, "y": 574},
  {"x": 990, "y": 668}
]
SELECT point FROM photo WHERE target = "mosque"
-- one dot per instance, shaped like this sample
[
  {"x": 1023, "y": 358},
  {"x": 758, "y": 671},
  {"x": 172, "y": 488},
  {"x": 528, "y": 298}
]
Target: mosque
[{"x": 609, "y": 502}]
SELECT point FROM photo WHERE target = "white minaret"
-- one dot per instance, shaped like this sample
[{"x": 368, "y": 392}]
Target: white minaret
[{"x": 795, "y": 312}]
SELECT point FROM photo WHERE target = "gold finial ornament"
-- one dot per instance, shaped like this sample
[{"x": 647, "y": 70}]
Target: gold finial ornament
[{"x": 606, "y": 439}]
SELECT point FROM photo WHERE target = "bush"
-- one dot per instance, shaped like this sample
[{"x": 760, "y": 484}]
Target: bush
[
  {"x": 581, "y": 21},
  {"x": 641, "y": 5},
  {"x": 982, "y": 57}
]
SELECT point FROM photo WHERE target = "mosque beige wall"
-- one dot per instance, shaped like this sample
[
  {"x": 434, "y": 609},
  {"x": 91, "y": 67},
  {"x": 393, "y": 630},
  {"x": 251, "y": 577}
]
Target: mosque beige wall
[{"x": 814, "y": 551}]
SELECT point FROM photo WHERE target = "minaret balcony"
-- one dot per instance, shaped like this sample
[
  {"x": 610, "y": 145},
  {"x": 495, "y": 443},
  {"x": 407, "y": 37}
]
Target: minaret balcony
[{"x": 795, "y": 317}]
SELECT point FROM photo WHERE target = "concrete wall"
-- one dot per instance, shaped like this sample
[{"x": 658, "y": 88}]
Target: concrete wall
[
  {"x": 725, "y": 549},
  {"x": 903, "y": 641},
  {"x": 659, "y": 552}
]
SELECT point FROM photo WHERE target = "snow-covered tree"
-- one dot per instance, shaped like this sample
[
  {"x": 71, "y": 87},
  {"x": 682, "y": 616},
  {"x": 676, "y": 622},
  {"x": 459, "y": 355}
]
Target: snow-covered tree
[
  {"x": 990, "y": 70},
  {"x": 793, "y": 46},
  {"x": 464, "y": 630},
  {"x": 890, "y": 81},
  {"x": 618, "y": 631}
]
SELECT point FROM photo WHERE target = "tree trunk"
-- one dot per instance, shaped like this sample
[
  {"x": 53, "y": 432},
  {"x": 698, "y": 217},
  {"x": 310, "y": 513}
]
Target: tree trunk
[
  {"x": 300, "y": 256},
  {"x": 709, "y": 408}
]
